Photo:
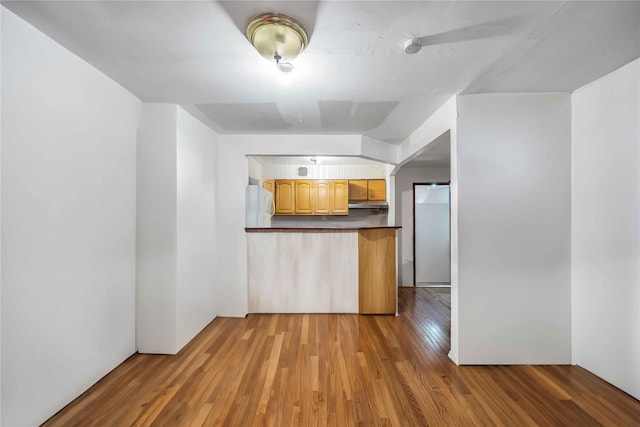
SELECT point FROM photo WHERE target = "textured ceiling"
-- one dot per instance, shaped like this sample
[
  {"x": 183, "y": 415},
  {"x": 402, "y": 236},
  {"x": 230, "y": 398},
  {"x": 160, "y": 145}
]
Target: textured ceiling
[{"x": 354, "y": 76}]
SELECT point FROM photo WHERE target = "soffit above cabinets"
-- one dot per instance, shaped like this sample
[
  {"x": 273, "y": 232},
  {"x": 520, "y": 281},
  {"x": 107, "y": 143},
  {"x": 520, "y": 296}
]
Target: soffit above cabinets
[{"x": 316, "y": 160}]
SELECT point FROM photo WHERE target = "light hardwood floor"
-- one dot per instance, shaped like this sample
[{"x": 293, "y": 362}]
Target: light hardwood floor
[{"x": 342, "y": 370}]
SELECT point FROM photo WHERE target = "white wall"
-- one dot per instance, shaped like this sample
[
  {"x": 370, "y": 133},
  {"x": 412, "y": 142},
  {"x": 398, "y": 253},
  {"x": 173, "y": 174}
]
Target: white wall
[
  {"x": 606, "y": 228},
  {"x": 513, "y": 162},
  {"x": 378, "y": 150},
  {"x": 68, "y": 219},
  {"x": 196, "y": 297},
  {"x": 176, "y": 276},
  {"x": 255, "y": 168},
  {"x": 156, "y": 230},
  {"x": 404, "y": 180}
]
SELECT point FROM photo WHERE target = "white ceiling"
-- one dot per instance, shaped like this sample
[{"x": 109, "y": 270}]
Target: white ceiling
[{"x": 354, "y": 77}]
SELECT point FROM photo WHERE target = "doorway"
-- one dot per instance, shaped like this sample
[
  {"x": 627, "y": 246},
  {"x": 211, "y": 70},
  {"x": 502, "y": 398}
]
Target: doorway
[{"x": 431, "y": 235}]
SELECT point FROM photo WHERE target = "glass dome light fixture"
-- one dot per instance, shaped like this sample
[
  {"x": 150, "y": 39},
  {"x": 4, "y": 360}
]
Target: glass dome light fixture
[{"x": 278, "y": 38}]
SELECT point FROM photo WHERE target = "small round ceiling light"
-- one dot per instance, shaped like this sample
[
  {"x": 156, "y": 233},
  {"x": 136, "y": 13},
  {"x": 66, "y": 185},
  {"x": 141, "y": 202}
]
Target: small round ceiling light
[
  {"x": 412, "y": 46},
  {"x": 277, "y": 37}
]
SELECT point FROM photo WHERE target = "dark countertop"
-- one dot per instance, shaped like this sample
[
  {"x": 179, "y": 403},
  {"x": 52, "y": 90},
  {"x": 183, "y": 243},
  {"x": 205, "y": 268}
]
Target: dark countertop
[{"x": 312, "y": 229}]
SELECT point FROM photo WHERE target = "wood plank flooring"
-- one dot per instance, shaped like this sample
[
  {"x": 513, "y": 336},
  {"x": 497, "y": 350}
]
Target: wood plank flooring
[{"x": 342, "y": 370}]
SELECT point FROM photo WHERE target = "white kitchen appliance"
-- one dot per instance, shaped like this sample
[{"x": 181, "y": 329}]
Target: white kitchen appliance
[{"x": 260, "y": 206}]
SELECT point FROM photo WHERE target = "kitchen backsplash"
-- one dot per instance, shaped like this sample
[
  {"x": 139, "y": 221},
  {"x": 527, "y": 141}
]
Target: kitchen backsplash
[
  {"x": 323, "y": 172},
  {"x": 356, "y": 218}
]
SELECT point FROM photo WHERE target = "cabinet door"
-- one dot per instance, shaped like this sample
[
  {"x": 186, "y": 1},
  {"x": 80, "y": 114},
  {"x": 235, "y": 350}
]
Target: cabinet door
[
  {"x": 284, "y": 197},
  {"x": 377, "y": 189},
  {"x": 322, "y": 191},
  {"x": 340, "y": 197},
  {"x": 303, "y": 197},
  {"x": 358, "y": 189},
  {"x": 269, "y": 185}
]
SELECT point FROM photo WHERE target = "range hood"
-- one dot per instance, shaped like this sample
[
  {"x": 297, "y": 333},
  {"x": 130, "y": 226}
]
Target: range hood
[{"x": 368, "y": 204}]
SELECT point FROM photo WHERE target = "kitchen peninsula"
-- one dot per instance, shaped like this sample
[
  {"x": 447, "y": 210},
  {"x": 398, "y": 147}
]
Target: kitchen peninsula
[{"x": 322, "y": 270}]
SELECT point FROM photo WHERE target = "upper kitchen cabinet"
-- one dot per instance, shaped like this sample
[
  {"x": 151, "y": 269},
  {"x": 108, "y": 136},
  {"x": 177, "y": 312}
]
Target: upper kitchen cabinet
[
  {"x": 340, "y": 197},
  {"x": 303, "y": 197},
  {"x": 377, "y": 190},
  {"x": 367, "y": 189},
  {"x": 285, "y": 197},
  {"x": 311, "y": 196},
  {"x": 358, "y": 189},
  {"x": 322, "y": 192}
]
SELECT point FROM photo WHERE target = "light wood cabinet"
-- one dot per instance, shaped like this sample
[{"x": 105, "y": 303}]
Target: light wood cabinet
[
  {"x": 377, "y": 189},
  {"x": 285, "y": 197},
  {"x": 358, "y": 189},
  {"x": 269, "y": 185},
  {"x": 377, "y": 271},
  {"x": 367, "y": 189},
  {"x": 322, "y": 192},
  {"x": 340, "y": 198},
  {"x": 303, "y": 197},
  {"x": 321, "y": 196}
]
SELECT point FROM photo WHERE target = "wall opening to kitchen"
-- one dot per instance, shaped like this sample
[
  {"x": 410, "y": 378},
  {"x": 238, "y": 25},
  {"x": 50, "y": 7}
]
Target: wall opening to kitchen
[{"x": 274, "y": 172}]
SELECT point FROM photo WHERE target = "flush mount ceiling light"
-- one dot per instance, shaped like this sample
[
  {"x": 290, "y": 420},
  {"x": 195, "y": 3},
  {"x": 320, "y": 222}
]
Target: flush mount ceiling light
[
  {"x": 278, "y": 38},
  {"x": 412, "y": 46}
]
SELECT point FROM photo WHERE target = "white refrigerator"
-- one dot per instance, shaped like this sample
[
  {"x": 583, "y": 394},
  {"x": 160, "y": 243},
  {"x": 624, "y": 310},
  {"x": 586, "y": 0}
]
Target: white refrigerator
[{"x": 260, "y": 207}]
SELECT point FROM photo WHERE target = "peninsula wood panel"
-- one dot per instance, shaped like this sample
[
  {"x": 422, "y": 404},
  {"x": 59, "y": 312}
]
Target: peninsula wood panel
[
  {"x": 311, "y": 272},
  {"x": 377, "y": 271}
]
